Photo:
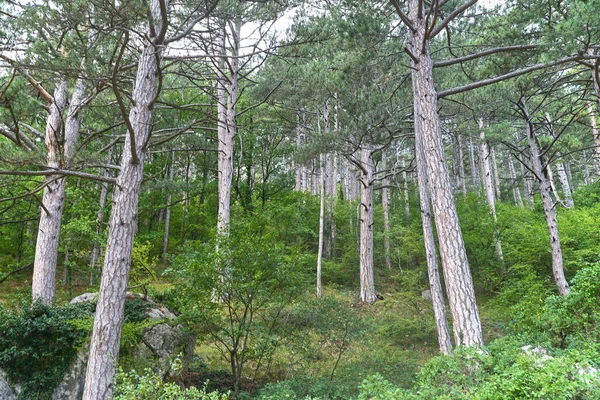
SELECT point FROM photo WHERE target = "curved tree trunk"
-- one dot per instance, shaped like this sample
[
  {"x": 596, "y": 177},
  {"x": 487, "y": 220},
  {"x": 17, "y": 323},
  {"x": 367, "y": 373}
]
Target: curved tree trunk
[
  {"x": 549, "y": 209},
  {"x": 459, "y": 284},
  {"x": 108, "y": 322}
]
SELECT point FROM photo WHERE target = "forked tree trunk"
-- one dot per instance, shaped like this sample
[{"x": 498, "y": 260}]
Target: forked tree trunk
[
  {"x": 437, "y": 294},
  {"x": 43, "y": 285},
  {"x": 459, "y": 284},
  {"x": 549, "y": 209},
  {"x": 367, "y": 280},
  {"x": 385, "y": 204},
  {"x": 108, "y": 322}
]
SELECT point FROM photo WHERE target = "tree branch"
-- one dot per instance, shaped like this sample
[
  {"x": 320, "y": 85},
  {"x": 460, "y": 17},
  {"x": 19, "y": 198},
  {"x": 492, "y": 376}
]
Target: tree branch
[
  {"x": 434, "y": 32},
  {"x": 483, "y": 53},
  {"x": 403, "y": 16},
  {"x": 500, "y": 78},
  {"x": 63, "y": 172}
]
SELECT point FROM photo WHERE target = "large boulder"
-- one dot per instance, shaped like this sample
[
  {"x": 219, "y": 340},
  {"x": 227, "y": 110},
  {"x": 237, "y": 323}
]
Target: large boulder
[{"x": 161, "y": 343}]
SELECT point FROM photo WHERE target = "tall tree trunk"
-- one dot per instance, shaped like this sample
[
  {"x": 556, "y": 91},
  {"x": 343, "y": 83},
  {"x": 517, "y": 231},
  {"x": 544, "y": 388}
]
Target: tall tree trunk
[
  {"x": 549, "y": 209},
  {"x": 108, "y": 322},
  {"x": 165, "y": 250},
  {"x": 321, "y": 231},
  {"x": 437, "y": 294},
  {"x": 486, "y": 174},
  {"x": 473, "y": 164},
  {"x": 43, "y": 286},
  {"x": 459, "y": 284},
  {"x": 596, "y": 136},
  {"x": 515, "y": 186},
  {"x": 405, "y": 190},
  {"x": 461, "y": 167},
  {"x": 367, "y": 280},
  {"x": 564, "y": 183},
  {"x": 385, "y": 204},
  {"x": 496, "y": 173}
]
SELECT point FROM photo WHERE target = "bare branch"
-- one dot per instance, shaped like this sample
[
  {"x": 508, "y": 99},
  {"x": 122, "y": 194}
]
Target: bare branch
[
  {"x": 63, "y": 172},
  {"x": 31, "y": 80},
  {"x": 403, "y": 16}
]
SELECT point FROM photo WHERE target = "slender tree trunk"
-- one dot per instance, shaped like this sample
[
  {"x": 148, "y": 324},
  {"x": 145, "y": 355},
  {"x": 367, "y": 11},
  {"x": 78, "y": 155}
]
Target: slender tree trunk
[
  {"x": 496, "y": 173},
  {"x": 549, "y": 209},
  {"x": 473, "y": 164},
  {"x": 405, "y": 190},
  {"x": 108, "y": 322},
  {"x": 321, "y": 231},
  {"x": 596, "y": 136},
  {"x": 437, "y": 294},
  {"x": 586, "y": 170},
  {"x": 168, "y": 209},
  {"x": 461, "y": 168},
  {"x": 385, "y": 204},
  {"x": 43, "y": 286},
  {"x": 486, "y": 174},
  {"x": 564, "y": 183},
  {"x": 459, "y": 284},
  {"x": 515, "y": 185},
  {"x": 367, "y": 280}
]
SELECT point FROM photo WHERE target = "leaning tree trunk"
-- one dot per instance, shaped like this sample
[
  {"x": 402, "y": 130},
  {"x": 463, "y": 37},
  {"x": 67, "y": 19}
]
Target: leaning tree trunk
[
  {"x": 367, "y": 280},
  {"x": 108, "y": 322},
  {"x": 437, "y": 294},
  {"x": 459, "y": 284},
  {"x": 43, "y": 285},
  {"x": 549, "y": 209}
]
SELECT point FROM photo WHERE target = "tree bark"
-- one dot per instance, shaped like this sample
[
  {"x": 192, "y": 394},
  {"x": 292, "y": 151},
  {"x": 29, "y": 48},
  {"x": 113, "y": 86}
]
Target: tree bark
[
  {"x": 596, "y": 136},
  {"x": 486, "y": 174},
  {"x": 405, "y": 190},
  {"x": 165, "y": 250},
  {"x": 473, "y": 164},
  {"x": 108, "y": 322},
  {"x": 385, "y": 204},
  {"x": 549, "y": 209},
  {"x": 461, "y": 167},
  {"x": 321, "y": 232},
  {"x": 43, "y": 285},
  {"x": 437, "y": 294},
  {"x": 459, "y": 284},
  {"x": 367, "y": 280},
  {"x": 495, "y": 172},
  {"x": 515, "y": 186}
]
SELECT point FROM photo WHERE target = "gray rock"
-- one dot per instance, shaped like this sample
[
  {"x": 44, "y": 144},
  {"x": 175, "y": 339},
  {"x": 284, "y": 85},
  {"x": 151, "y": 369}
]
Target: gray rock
[
  {"x": 6, "y": 391},
  {"x": 426, "y": 295},
  {"x": 160, "y": 345}
]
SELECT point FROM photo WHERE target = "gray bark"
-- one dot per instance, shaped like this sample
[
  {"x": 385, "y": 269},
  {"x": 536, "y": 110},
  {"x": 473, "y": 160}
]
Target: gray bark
[
  {"x": 43, "y": 285},
  {"x": 461, "y": 167},
  {"x": 321, "y": 232},
  {"x": 596, "y": 136},
  {"x": 405, "y": 190},
  {"x": 459, "y": 284},
  {"x": 549, "y": 209},
  {"x": 515, "y": 187},
  {"x": 385, "y": 204},
  {"x": 473, "y": 164},
  {"x": 495, "y": 172},
  {"x": 108, "y": 322}
]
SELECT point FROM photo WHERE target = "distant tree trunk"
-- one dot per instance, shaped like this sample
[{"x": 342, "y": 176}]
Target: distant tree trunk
[
  {"x": 367, "y": 280},
  {"x": 473, "y": 164},
  {"x": 405, "y": 190},
  {"x": 461, "y": 167},
  {"x": 100, "y": 218},
  {"x": 43, "y": 285},
  {"x": 437, "y": 294},
  {"x": 459, "y": 284},
  {"x": 515, "y": 187},
  {"x": 564, "y": 183},
  {"x": 586, "y": 170},
  {"x": 108, "y": 321},
  {"x": 496, "y": 173},
  {"x": 321, "y": 231},
  {"x": 596, "y": 135},
  {"x": 168, "y": 209},
  {"x": 385, "y": 204},
  {"x": 486, "y": 174},
  {"x": 549, "y": 209}
]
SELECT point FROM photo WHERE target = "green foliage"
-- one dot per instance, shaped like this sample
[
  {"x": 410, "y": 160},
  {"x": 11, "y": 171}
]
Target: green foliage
[
  {"x": 38, "y": 343},
  {"x": 305, "y": 388},
  {"x": 150, "y": 386},
  {"x": 142, "y": 266}
]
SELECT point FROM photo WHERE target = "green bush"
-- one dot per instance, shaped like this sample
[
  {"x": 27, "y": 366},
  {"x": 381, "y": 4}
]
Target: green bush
[{"x": 38, "y": 344}]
